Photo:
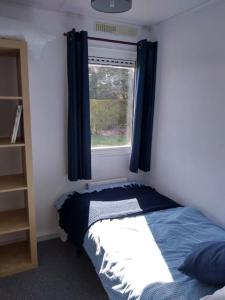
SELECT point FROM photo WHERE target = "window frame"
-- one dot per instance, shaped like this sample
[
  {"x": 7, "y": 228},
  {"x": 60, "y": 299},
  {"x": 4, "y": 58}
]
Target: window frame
[
  {"x": 125, "y": 52},
  {"x": 124, "y": 63}
]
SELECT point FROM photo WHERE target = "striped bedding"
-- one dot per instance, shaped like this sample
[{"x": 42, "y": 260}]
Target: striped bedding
[{"x": 137, "y": 257}]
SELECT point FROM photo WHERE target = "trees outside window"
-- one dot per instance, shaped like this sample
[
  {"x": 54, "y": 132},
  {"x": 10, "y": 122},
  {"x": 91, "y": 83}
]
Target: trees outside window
[{"x": 111, "y": 105}]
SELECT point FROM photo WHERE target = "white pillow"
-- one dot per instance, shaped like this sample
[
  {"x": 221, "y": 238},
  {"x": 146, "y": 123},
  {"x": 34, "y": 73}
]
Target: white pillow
[{"x": 218, "y": 295}]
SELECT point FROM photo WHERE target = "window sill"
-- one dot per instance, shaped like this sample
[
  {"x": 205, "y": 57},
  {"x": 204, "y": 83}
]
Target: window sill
[{"x": 111, "y": 151}]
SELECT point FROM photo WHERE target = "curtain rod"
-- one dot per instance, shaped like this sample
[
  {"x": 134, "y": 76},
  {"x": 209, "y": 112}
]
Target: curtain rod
[{"x": 110, "y": 41}]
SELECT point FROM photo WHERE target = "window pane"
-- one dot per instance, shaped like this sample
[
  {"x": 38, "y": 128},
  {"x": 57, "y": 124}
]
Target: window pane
[{"x": 111, "y": 102}]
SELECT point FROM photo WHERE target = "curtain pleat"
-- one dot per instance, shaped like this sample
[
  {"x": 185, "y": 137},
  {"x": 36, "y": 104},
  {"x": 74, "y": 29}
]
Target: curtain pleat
[
  {"x": 145, "y": 81},
  {"x": 79, "y": 134}
]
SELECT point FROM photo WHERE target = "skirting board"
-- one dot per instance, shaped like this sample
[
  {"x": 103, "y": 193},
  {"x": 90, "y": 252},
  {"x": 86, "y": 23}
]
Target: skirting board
[
  {"x": 40, "y": 238},
  {"x": 45, "y": 237}
]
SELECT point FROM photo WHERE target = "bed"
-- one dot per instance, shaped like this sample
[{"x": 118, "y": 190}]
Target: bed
[{"x": 137, "y": 257}]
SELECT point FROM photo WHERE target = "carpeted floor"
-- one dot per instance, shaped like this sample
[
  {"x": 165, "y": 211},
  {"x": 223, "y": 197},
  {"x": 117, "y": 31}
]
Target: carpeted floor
[{"x": 61, "y": 276}]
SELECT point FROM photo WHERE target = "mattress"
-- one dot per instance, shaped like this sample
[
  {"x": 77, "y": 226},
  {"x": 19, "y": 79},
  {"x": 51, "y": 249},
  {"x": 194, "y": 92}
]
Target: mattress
[{"x": 138, "y": 257}]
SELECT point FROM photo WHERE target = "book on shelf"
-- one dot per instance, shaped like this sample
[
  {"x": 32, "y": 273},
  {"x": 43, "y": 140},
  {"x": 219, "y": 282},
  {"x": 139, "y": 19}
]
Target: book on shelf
[{"x": 16, "y": 123}]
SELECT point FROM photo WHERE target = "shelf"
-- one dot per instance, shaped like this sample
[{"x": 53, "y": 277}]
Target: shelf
[
  {"x": 13, "y": 221},
  {"x": 10, "y": 183},
  {"x": 15, "y": 258},
  {"x": 11, "y": 98},
  {"x": 16, "y": 163},
  {"x": 9, "y": 52},
  {"x": 6, "y": 143}
]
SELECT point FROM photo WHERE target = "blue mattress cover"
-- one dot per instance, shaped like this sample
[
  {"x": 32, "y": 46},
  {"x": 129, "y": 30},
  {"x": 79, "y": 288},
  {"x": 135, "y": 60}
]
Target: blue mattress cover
[{"x": 175, "y": 233}]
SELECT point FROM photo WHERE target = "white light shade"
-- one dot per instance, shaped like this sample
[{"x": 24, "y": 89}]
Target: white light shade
[{"x": 111, "y": 6}]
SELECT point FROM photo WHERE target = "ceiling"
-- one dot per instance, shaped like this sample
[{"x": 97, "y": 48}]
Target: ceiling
[{"x": 143, "y": 12}]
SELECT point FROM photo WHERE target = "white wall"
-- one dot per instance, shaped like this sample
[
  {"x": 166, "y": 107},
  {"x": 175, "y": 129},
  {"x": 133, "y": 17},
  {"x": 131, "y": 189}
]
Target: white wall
[
  {"x": 48, "y": 85},
  {"x": 188, "y": 160}
]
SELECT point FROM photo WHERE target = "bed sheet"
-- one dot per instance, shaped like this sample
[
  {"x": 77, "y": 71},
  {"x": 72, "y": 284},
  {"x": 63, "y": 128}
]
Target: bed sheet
[{"x": 137, "y": 258}]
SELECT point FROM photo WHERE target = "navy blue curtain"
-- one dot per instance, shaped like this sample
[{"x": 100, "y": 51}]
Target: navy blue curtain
[
  {"x": 144, "y": 106},
  {"x": 79, "y": 136}
]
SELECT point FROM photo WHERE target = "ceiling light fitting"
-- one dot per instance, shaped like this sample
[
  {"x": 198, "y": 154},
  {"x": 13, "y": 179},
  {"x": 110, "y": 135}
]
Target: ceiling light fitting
[{"x": 111, "y": 6}]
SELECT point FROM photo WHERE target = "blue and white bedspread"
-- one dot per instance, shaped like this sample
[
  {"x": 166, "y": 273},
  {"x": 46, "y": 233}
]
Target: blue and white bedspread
[{"x": 137, "y": 257}]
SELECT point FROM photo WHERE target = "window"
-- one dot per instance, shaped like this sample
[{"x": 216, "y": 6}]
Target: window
[{"x": 111, "y": 104}]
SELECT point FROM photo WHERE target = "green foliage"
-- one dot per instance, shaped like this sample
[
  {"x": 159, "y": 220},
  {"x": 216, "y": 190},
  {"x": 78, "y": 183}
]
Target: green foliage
[
  {"x": 110, "y": 104},
  {"x": 108, "y": 115},
  {"x": 109, "y": 82},
  {"x": 116, "y": 140}
]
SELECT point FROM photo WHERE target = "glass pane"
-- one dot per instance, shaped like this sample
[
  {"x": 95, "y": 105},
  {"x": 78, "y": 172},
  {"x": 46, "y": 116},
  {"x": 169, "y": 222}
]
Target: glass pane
[{"x": 111, "y": 103}]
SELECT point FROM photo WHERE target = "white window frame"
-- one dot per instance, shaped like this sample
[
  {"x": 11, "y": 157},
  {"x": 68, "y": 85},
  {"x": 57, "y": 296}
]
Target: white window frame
[{"x": 121, "y": 53}]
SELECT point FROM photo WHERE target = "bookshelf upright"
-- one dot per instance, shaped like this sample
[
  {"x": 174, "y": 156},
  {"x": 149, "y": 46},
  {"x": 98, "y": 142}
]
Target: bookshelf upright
[{"x": 18, "y": 246}]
